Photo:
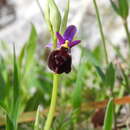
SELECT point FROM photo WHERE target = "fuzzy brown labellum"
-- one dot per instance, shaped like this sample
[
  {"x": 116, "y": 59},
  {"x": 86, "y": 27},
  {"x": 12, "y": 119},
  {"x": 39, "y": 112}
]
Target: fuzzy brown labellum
[{"x": 60, "y": 60}]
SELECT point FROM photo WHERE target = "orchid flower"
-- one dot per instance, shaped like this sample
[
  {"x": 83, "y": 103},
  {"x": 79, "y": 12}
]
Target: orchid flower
[
  {"x": 60, "y": 60},
  {"x": 67, "y": 39}
]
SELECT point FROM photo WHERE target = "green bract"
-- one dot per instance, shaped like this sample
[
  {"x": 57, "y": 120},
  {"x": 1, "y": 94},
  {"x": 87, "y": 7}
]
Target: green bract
[
  {"x": 55, "y": 16},
  {"x": 47, "y": 15},
  {"x": 65, "y": 17},
  {"x": 121, "y": 8}
]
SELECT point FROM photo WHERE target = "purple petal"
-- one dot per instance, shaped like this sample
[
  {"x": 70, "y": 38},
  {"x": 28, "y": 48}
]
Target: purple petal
[
  {"x": 49, "y": 45},
  {"x": 60, "y": 38},
  {"x": 74, "y": 43},
  {"x": 70, "y": 32}
]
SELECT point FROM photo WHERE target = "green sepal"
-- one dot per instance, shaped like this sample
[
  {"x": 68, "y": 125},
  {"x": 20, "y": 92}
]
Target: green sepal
[
  {"x": 47, "y": 16},
  {"x": 55, "y": 16},
  {"x": 65, "y": 17}
]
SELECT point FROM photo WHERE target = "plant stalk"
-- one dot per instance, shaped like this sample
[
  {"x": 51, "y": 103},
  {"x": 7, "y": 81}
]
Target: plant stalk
[
  {"x": 127, "y": 31},
  {"x": 101, "y": 30},
  {"x": 53, "y": 102}
]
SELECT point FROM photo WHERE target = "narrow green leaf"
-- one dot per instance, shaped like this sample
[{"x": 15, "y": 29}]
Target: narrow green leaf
[
  {"x": 9, "y": 91},
  {"x": 77, "y": 93},
  {"x": 9, "y": 124},
  {"x": 46, "y": 14},
  {"x": 124, "y": 8},
  {"x": 16, "y": 92},
  {"x": 3, "y": 106},
  {"x": 36, "y": 124},
  {"x": 114, "y": 6},
  {"x": 2, "y": 87},
  {"x": 55, "y": 16},
  {"x": 100, "y": 72},
  {"x": 21, "y": 56},
  {"x": 16, "y": 79},
  {"x": 30, "y": 49},
  {"x": 110, "y": 76},
  {"x": 109, "y": 115},
  {"x": 65, "y": 17}
]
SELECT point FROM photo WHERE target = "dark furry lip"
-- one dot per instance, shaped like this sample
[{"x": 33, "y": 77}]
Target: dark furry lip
[{"x": 59, "y": 60}]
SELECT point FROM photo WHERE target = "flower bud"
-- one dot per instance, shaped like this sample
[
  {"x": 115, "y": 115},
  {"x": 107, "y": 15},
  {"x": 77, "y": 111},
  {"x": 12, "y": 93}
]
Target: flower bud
[{"x": 55, "y": 16}]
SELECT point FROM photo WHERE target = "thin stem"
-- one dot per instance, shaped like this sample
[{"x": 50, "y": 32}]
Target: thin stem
[
  {"x": 55, "y": 41},
  {"x": 54, "y": 91},
  {"x": 53, "y": 102},
  {"x": 127, "y": 30},
  {"x": 101, "y": 30}
]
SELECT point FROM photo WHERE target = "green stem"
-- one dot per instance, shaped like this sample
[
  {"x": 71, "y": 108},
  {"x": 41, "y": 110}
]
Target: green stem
[
  {"x": 54, "y": 91},
  {"x": 53, "y": 102},
  {"x": 55, "y": 41},
  {"x": 101, "y": 30},
  {"x": 127, "y": 30}
]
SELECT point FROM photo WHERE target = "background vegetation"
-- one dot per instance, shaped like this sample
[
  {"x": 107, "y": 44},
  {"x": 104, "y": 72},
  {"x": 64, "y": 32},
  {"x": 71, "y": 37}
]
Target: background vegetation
[{"x": 26, "y": 85}]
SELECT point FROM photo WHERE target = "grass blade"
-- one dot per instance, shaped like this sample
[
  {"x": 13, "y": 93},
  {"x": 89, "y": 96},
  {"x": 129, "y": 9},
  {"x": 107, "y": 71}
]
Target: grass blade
[
  {"x": 16, "y": 93},
  {"x": 100, "y": 72},
  {"x": 124, "y": 8},
  {"x": 16, "y": 79},
  {"x": 77, "y": 93},
  {"x": 30, "y": 49},
  {"x": 2, "y": 87},
  {"x": 109, "y": 116},
  {"x": 36, "y": 124},
  {"x": 110, "y": 76}
]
